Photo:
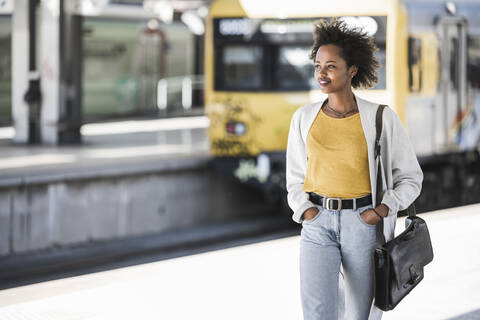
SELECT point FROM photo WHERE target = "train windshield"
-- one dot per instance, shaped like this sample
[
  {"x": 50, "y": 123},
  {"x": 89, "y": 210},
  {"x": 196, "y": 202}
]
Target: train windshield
[
  {"x": 273, "y": 54},
  {"x": 295, "y": 69},
  {"x": 240, "y": 66}
]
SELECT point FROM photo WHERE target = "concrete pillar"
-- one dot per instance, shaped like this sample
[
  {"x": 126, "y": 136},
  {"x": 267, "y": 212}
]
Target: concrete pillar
[
  {"x": 71, "y": 59},
  {"x": 50, "y": 69},
  {"x": 60, "y": 56},
  {"x": 20, "y": 66},
  {"x": 59, "y": 62}
]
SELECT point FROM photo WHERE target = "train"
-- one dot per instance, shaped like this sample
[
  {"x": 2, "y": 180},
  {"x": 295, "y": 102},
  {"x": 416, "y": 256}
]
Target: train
[{"x": 257, "y": 73}]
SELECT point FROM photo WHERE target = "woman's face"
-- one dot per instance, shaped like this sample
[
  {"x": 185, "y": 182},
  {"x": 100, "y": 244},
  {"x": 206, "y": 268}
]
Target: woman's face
[{"x": 331, "y": 70}]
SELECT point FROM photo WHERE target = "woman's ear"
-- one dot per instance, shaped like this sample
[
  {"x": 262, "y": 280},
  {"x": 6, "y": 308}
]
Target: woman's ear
[{"x": 353, "y": 71}]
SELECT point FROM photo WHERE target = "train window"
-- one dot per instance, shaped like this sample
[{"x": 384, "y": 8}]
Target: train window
[
  {"x": 381, "y": 56},
  {"x": 414, "y": 64},
  {"x": 454, "y": 62},
  {"x": 5, "y": 70},
  {"x": 473, "y": 62},
  {"x": 295, "y": 69},
  {"x": 110, "y": 73},
  {"x": 123, "y": 60},
  {"x": 242, "y": 67}
]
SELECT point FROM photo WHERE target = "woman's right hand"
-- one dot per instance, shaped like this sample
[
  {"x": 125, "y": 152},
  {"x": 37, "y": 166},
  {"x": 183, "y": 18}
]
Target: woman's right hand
[{"x": 310, "y": 213}]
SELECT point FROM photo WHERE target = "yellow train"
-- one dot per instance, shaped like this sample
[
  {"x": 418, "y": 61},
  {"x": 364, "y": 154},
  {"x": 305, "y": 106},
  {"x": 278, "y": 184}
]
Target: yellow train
[{"x": 257, "y": 73}]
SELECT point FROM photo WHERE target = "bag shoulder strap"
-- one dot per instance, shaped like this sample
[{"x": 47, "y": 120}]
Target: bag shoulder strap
[
  {"x": 379, "y": 126},
  {"x": 380, "y": 238}
]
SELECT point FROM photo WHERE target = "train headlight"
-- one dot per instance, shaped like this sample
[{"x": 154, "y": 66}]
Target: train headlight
[{"x": 236, "y": 128}]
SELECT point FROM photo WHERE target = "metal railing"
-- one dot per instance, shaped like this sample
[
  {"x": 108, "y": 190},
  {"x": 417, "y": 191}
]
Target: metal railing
[{"x": 181, "y": 88}]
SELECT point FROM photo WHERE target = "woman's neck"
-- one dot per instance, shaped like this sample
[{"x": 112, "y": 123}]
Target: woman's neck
[{"x": 342, "y": 101}]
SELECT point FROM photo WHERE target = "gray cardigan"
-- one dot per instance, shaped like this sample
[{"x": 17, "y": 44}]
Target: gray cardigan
[{"x": 402, "y": 176}]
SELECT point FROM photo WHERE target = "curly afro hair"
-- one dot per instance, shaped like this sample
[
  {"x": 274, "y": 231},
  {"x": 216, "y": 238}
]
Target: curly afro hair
[{"x": 357, "y": 49}]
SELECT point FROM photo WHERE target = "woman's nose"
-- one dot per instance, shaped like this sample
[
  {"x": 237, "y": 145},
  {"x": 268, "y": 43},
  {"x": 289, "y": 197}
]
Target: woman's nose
[{"x": 323, "y": 71}]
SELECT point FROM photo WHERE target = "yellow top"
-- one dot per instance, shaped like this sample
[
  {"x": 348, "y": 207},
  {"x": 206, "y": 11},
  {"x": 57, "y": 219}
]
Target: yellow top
[{"x": 337, "y": 158}]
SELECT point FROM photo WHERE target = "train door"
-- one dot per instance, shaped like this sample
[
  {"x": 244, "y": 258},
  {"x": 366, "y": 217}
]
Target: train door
[{"x": 451, "y": 99}]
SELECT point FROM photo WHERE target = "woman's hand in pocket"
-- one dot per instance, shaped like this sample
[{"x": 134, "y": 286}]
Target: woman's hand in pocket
[
  {"x": 310, "y": 213},
  {"x": 370, "y": 217}
]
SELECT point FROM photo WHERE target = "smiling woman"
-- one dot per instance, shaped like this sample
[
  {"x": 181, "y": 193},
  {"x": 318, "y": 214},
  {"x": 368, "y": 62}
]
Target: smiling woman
[{"x": 330, "y": 176}]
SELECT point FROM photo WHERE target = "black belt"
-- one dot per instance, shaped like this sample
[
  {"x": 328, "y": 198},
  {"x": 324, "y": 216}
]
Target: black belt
[{"x": 339, "y": 203}]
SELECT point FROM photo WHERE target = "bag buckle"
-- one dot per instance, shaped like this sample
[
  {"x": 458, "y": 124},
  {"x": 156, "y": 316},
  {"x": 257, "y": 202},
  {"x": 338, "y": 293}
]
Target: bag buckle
[
  {"x": 327, "y": 203},
  {"x": 414, "y": 276}
]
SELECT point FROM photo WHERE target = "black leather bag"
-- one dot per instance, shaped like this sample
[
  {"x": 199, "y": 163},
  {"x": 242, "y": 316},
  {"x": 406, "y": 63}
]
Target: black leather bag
[{"x": 399, "y": 262}]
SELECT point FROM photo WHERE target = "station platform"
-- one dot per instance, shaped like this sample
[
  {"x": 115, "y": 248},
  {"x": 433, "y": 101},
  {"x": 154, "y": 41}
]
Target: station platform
[
  {"x": 108, "y": 149},
  {"x": 252, "y": 280},
  {"x": 128, "y": 183}
]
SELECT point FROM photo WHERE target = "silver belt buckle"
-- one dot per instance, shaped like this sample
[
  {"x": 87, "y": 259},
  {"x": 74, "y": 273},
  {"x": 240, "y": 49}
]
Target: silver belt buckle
[{"x": 327, "y": 202}]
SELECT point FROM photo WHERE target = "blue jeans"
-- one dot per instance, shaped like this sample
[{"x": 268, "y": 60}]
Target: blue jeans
[{"x": 334, "y": 239}]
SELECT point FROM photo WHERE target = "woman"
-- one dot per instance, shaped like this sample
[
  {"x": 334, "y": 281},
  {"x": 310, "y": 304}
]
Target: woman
[{"x": 331, "y": 177}]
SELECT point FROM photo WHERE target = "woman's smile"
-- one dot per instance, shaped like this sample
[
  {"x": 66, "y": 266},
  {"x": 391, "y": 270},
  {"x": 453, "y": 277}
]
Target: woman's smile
[{"x": 324, "y": 82}]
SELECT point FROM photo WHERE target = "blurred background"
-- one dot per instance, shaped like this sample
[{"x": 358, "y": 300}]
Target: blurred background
[{"x": 142, "y": 152}]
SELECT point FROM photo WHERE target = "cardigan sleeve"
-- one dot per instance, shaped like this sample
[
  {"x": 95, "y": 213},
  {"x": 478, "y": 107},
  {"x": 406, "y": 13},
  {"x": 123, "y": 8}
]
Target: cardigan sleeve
[
  {"x": 296, "y": 166},
  {"x": 406, "y": 172}
]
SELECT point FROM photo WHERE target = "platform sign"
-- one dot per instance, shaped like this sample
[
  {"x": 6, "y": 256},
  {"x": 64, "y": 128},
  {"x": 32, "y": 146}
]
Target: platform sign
[{"x": 6, "y": 6}]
